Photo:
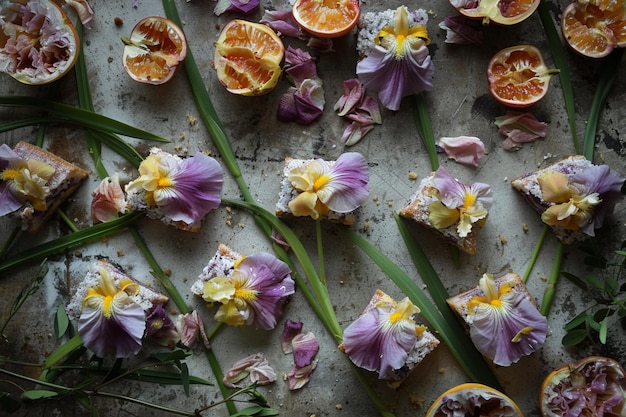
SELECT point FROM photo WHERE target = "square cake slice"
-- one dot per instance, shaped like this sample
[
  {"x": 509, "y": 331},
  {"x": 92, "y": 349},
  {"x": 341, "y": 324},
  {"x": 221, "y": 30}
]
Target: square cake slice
[
  {"x": 221, "y": 264},
  {"x": 66, "y": 178},
  {"x": 288, "y": 192},
  {"x": 417, "y": 210},
  {"x": 146, "y": 297}
]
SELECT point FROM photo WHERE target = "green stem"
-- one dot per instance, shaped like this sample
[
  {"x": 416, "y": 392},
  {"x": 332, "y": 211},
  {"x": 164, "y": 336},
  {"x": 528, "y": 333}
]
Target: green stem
[
  {"x": 550, "y": 290},
  {"x": 535, "y": 255},
  {"x": 65, "y": 242},
  {"x": 67, "y": 220},
  {"x": 424, "y": 129},
  {"x": 64, "y": 350},
  {"x": 610, "y": 69},
  {"x": 158, "y": 273},
  {"x": 320, "y": 251},
  {"x": 560, "y": 60}
]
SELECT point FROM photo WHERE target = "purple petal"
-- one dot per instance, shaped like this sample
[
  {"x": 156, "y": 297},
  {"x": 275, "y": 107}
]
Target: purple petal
[
  {"x": 271, "y": 279},
  {"x": 353, "y": 93},
  {"x": 299, "y": 65},
  {"x": 463, "y": 149},
  {"x": 520, "y": 127},
  {"x": 198, "y": 183},
  {"x": 349, "y": 186},
  {"x": 299, "y": 377},
  {"x": 160, "y": 328},
  {"x": 496, "y": 330},
  {"x": 355, "y": 132},
  {"x": 305, "y": 347},
  {"x": 256, "y": 365},
  {"x": 283, "y": 22},
  {"x": 453, "y": 192},
  {"x": 394, "y": 79},
  {"x": 462, "y": 30},
  {"x": 244, "y": 7},
  {"x": 119, "y": 336},
  {"x": 303, "y": 105},
  {"x": 290, "y": 330}
]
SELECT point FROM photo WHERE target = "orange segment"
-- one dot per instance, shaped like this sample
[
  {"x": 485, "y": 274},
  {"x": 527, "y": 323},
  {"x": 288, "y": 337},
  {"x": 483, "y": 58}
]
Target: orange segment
[
  {"x": 248, "y": 57},
  {"x": 518, "y": 76},
  {"x": 594, "y": 28},
  {"x": 155, "y": 48},
  {"x": 504, "y": 12},
  {"x": 327, "y": 18},
  {"x": 480, "y": 399}
]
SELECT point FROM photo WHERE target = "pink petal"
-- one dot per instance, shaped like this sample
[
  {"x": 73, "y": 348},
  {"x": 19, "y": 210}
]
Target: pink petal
[
  {"x": 463, "y": 149},
  {"x": 283, "y": 22},
  {"x": 305, "y": 347},
  {"x": 108, "y": 200},
  {"x": 290, "y": 330},
  {"x": 299, "y": 377}
]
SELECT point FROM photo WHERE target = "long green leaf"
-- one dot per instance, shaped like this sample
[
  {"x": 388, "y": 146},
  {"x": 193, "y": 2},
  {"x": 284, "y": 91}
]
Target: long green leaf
[
  {"x": 80, "y": 116},
  {"x": 560, "y": 60},
  {"x": 468, "y": 357},
  {"x": 77, "y": 238},
  {"x": 610, "y": 69},
  {"x": 424, "y": 129}
]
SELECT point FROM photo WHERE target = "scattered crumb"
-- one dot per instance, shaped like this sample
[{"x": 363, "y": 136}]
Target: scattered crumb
[
  {"x": 167, "y": 272},
  {"x": 118, "y": 21},
  {"x": 177, "y": 148},
  {"x": 412, "y": 175},
  {"x": 506, "y": 179},
  {"x": 242, "y": 225},
  {"x": 229, "y": 209},
  {"x": 120, "y": 252},
  {"x": 192, "y": 119},
  {"x": 185, "y": 279},
  {"x": 442, "y": 370},
  {"x": 173, "y": 311},
  {"x": 181, "y": 136},
  {"x": 366, "y": 226},
  {"x": 390, "y": 203},
  {"x": 338, "y": 406},
  {"x": 524, "y": 227},
  {"x": 503, "y": 240},
  {"x": 78, "y": 254},
  {"x": 228, "y": 221},
  {"x": 415, "y": 400},
  {"x": 375, "y": 198}
]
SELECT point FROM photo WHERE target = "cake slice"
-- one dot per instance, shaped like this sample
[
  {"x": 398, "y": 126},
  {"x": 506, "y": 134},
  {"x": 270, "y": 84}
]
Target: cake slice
[
  {"x": 146, "y": 296},
  {"x": 572, "y": 195},
  {"x": 221, "y": 264},
  {"x": 288, "y": 192},
  {"x": 417, "y": 210},
  {"x": 66, "y": 178},
  {"x": 501, "y": 318},
  {"x": 424, "y": 344}
]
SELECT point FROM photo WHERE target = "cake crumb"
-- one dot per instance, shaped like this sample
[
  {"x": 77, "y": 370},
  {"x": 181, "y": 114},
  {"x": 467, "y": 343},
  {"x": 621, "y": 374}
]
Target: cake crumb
[
  {"x": 118, "y": 21},
  {"x": 120, "y": 252},
  {"x": 442, "y": 370},
  {"x": 525, "y": 227},
  {"x": 415, "y": 400},
  {"x": 412, "y": 175},
  {"x": 390, "y": 203},
  {"x": 167, "y": 272},
  {"x": 338, "y": 406},
  {"x": 503, "y": 240},
  {"x": 192, "y": 119}
]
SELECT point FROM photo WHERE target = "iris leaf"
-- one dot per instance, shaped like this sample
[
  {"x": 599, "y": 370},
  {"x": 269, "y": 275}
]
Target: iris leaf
[
  {"x": 64, "y": 242},
  {"x": 560, "y": 59},
  {"x": 424, "y": 129},
  {"x": 610, "y": 69},
  {"x": 79, "y": 116}
]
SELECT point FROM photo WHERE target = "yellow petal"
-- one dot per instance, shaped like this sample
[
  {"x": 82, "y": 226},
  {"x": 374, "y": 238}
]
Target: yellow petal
[
  {"x": 554, "y": 187},
  {"x": 441, "y": 216},
  {"x": 304, "y": 205}
]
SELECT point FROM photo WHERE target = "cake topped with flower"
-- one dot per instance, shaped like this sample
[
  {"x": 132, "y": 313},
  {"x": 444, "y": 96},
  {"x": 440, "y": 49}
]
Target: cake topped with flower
[
  {"x": 573, "y": 196},
  {"x": 450, "y": 208},
  {"x": 34, "y": 183},
  {"x": 178, "y": 191},
  {"x": 502, "y": 318},
  {"x": 322, "y": 189}
]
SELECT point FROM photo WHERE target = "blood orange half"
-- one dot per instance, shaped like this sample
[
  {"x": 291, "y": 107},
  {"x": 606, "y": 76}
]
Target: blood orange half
[
  {"x": 504, "y": 12},
  {"x": 327, "y": 18},
  {"x": 248, "y": 57}
]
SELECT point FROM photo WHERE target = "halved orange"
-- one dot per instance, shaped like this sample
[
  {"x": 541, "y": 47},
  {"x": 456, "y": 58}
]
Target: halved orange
[
  {"x": 473, "y": 399},
  {"x": 518, "y": 76},
  {"x": 248, "y": 57},
  {"x": 589, "y": 387},
  {"x": 503, "y": 12},
  {"x": 155, "y": 48},
  {"x": 327, "y": 18},
  {"x": 34, "y": 49},
  {"x": 594, "y": 28}
]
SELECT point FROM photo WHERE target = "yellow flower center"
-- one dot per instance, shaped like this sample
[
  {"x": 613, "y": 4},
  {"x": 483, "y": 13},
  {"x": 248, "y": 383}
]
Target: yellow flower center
[
  {"x": 321, "y": 182},
  {"x": 165, "y": 182},
  {"x": 245, "y": 294},
  {"x": 469, "y": 200}
]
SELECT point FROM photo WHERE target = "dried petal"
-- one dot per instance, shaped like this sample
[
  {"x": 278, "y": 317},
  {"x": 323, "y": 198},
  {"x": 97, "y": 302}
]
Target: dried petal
[
  {"x": 463, "y": 149},
  {"x": 290, "y": 330},
  {"x": 461, "y": 30},
  {"x": 108, "y": 200}
]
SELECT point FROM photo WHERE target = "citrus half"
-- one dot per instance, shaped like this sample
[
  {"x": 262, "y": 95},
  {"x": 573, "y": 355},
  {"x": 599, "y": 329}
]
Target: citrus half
[
  {"x": 248, "y": 57},
  {"x": 155, "y": 48},
  {"x": 590, "y": 387},
  {"x": 504, "y": 12},
  {"x": 473, "y": 399},
  {"x": 327, "y": 18},
  {"x": 518, "y": 76},
  {"x": 595, "y": 27},
  {"x": 38, "y": 43}
]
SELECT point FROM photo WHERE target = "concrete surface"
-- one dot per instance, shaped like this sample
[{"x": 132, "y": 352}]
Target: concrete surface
[{"x": 459, "y": 104}]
